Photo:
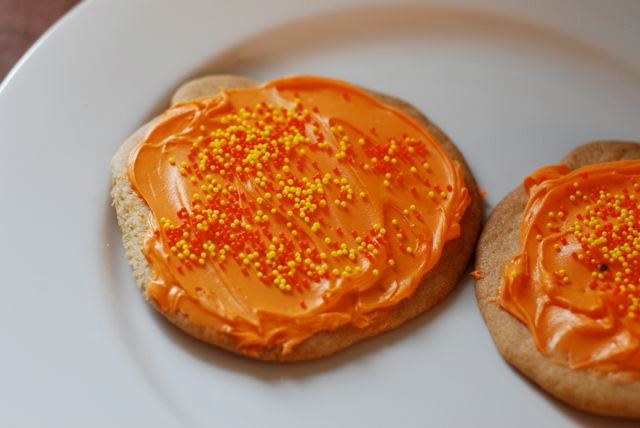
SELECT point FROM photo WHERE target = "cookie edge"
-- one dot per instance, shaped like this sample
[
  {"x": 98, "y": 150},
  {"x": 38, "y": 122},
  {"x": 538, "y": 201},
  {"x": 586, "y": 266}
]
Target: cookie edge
[{"x": 132, "y": 214}]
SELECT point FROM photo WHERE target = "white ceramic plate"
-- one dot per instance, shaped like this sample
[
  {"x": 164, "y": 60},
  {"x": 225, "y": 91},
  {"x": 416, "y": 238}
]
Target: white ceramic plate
[{"x": 516, "y": 85}]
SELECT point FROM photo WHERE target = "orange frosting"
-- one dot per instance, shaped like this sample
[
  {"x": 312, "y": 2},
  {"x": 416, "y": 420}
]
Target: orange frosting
[
  {"x": 576, "y": 283},
  {"x": 298, "y": 206}
]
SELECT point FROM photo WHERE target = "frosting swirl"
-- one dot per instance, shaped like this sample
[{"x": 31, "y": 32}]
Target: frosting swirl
[
  {"x": 298, "y": 206},
  {"x": 576, "y": 282}
]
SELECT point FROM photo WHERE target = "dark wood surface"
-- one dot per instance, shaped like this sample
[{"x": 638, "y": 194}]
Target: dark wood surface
[{"x": 22, "y": 22}]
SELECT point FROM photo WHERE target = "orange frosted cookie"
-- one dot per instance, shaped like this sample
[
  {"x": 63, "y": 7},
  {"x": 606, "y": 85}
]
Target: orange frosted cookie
[
  {"x": 289, "y": 219},
  {"x": 560, "y": 288}
]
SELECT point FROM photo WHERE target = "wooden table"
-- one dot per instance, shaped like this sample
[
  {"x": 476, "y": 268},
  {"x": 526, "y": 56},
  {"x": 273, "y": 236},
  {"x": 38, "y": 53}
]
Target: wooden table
[{"x": 22, "y": 22}]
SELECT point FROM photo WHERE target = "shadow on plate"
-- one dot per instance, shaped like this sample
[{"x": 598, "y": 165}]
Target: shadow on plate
[
  {"x": 276, "y": 371},
  {"x": 582, "y": 417}
]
